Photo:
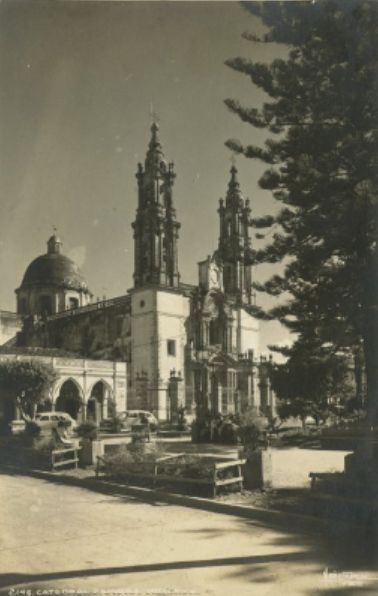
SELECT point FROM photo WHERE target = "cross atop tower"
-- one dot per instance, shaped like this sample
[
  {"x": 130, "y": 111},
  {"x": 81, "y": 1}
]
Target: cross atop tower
[
  {"x": 54, "y": 243},
  {"x": 154, "y": 118}
]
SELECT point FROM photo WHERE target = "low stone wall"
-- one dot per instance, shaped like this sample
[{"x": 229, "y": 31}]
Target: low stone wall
[{"x": 290, "y": 468}]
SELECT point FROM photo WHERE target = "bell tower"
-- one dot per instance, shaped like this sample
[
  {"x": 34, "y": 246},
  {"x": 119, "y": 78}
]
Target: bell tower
[
  {"x": 156, "y": 229},
  {"x": 234, "y": 248}
]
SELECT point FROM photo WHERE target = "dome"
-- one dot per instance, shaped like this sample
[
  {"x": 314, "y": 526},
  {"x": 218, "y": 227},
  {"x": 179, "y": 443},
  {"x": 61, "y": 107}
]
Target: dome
[{"x": 54, "y": 269}]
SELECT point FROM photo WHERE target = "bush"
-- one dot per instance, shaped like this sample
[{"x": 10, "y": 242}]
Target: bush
[
  {"x": 32, "y": 429},
  {"x": 29, "y": 435},
  {"x": 229, "y": 433},
  {"x": 200, "y": 431},
  {"x": 253, "y": 429},
  {"x": 135, "y": 458},
  {"x": 87, "y": 430},
  {"x": 215, "y": 429},
  {"x": 249, "y": 428},
  {"x": 136, "y": 453},
  {"x": 188, "y": 466},
  {"x": 27, "y": 450},
  {"x": 45, "y": 444}
]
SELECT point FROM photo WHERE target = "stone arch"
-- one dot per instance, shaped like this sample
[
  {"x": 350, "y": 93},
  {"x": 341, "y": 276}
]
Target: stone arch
[
  {"x": 211, "y": 304},
  {"x": 69, "y": 397},
  {"x": 100, "y": 402}
]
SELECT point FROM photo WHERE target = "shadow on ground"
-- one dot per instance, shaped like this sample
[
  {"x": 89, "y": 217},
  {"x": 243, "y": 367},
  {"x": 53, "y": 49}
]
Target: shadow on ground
[
  {"x": 316, "y": 543},
  {"x": 19, "y": 578}
]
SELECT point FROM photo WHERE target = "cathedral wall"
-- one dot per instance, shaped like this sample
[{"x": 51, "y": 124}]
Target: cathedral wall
[
  {"x": 61, "y": 299},
  {"x": 172, "y": 311},
  {"x": 158, "y": 343},
  {"x": 248, "y": 332},
  {"x": 101, "y": 330},
  {"x": 143, "y": 333}
]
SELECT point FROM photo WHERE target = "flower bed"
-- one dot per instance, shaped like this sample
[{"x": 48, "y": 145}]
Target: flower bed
[{"x": 179, "y": 470}]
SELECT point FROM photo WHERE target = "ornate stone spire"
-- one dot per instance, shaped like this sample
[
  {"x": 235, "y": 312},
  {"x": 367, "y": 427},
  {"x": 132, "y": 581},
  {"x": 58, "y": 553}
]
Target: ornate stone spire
[
  {"x": 234, "y": 195},
  {"x": 234, "y": 247},
  {"x": 154, "y": 156},
  {"x": 155, "y": 226}
]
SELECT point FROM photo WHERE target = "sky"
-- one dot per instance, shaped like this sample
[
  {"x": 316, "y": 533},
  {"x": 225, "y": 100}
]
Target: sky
[{"x": 78, "y": 82}]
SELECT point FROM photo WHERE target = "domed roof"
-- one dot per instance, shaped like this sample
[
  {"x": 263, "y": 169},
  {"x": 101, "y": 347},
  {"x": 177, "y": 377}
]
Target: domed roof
[{"x": 54, "y": 269}]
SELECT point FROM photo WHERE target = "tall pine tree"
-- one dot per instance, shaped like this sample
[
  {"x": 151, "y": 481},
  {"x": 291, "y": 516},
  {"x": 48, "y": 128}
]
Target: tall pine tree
[{"x": 321, "y": 117}]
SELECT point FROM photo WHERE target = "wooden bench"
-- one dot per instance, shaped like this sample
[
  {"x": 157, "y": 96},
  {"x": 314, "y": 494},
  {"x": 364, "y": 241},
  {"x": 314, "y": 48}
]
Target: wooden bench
[{"x": 65, "y": 457}]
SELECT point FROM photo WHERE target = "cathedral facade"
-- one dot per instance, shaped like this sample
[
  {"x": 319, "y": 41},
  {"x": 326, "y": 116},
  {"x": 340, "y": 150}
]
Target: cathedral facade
[{"x": 184, "y": 345}]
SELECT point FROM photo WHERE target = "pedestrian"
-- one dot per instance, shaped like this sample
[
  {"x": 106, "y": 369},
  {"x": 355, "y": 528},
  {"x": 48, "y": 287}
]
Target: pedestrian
[{"x": 144, "y": 420}]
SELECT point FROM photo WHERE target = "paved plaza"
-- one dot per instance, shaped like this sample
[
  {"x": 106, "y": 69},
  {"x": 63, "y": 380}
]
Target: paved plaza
[{"x": 62, "y": 538}]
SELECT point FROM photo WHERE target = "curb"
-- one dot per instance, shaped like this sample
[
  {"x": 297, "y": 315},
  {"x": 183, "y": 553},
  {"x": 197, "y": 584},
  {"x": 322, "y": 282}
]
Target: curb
[{"x": 149, "y": 495}]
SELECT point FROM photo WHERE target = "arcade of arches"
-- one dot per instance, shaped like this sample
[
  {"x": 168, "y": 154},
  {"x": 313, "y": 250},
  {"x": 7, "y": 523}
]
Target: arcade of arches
[
  {"x": 99, "y": 404},
  {"x": 85, "y": 389}
]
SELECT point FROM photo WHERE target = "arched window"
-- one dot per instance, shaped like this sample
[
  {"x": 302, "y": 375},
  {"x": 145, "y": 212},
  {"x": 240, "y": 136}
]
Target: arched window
[
  {"x": 213, "y": 332},
  {"x": 45, "y": 304},
  {"x": 73, "y": 303}
]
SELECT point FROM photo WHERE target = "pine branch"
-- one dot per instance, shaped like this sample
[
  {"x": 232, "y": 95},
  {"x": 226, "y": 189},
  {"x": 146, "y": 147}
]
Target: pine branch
[{"x": 250, "y": 115}]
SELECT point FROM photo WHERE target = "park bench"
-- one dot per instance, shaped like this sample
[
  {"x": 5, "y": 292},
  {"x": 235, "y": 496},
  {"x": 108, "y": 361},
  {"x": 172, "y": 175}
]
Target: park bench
[
  {"x": 338, "y": 497},
  {"x": 66, "y": 456}
]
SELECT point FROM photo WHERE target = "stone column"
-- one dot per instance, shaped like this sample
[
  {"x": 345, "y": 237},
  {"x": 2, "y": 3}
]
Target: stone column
[{"x": 256, "y": 387}]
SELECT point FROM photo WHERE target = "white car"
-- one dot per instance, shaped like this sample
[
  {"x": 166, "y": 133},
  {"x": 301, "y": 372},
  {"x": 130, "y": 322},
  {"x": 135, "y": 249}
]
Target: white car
[
  {"x": 134, "y": 416},
  {"x": 52, "y": 419}
]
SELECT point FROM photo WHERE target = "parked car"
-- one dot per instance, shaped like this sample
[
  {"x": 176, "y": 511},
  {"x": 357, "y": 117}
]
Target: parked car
[
  {"x": 125, "y": 420},
  {"x": 134, "y": 416},
  {"x": 114, "y": 424},
  {"x": 47, "y": 420}
]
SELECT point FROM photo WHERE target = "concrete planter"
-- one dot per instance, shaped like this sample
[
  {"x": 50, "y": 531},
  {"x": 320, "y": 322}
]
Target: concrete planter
[
  {"x": 289, "y": 468},
  {"x": 89, "y": 451},
  {"x": 17, "y": 426},
  {"x": 258, "y": 469}
]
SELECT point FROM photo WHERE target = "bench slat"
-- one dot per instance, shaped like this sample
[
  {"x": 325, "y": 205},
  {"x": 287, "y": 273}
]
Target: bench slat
[
  {"x": 56, "y": 462},
  {"x": 229, "y": 481},
  {"x": 67, "y": 450},
  {"x": 63, "y": 463},
  {"x": 184, "y": 479},
  {"x": 230, "y": 464}
]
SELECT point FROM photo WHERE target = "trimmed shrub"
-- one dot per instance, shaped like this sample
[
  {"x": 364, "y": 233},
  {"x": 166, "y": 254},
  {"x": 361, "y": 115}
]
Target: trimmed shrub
[{"x": 87, "y": 430}]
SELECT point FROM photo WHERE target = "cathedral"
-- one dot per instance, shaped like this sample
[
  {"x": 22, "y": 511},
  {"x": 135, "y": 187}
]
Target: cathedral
[{"x": 181, "y": 345}]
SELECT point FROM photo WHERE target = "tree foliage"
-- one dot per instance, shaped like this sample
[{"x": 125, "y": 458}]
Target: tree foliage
[
  {"x": 28, "y": 382},
  {"x": 322, "y": 168},
  {"x": 315, "y": 381}
]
